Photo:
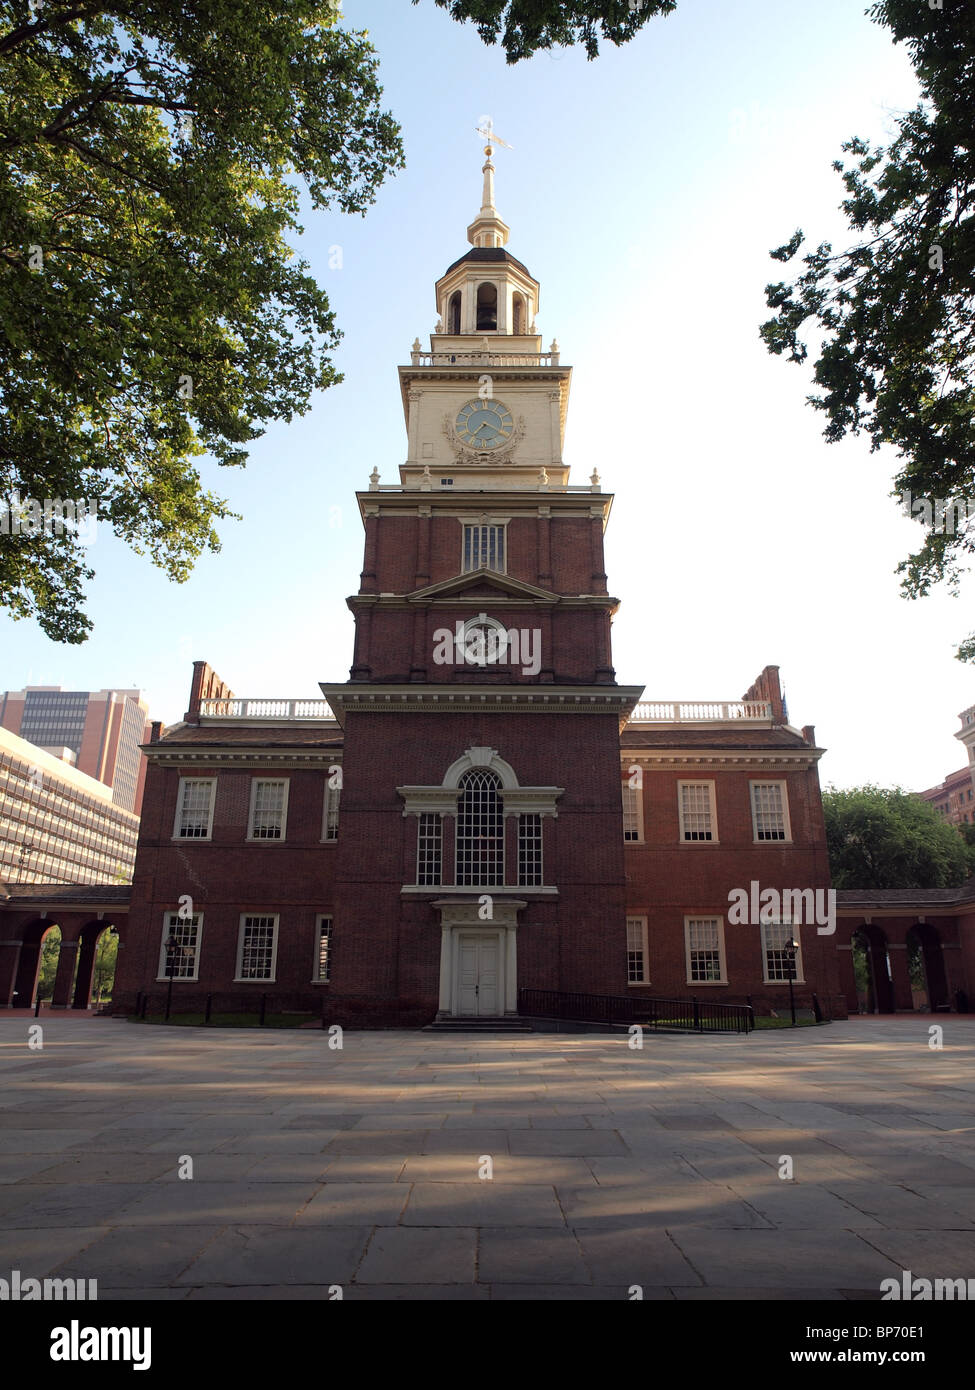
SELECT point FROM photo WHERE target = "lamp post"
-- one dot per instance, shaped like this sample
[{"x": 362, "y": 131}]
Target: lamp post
[
  {"x": 172, "y": 949},
  {"x": 792, "y": 950}
]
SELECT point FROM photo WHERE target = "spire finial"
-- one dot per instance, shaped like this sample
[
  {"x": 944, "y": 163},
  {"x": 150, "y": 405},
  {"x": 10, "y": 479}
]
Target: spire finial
[{"x": 487, "y": 229}]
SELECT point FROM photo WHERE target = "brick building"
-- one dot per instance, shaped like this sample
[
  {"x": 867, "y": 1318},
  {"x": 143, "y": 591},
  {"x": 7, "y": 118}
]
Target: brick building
[{"x": 480, "y": 809}]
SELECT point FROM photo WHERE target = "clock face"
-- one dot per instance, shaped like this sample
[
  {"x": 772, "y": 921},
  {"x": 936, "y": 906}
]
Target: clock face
[{"x": 484, "y": 424}]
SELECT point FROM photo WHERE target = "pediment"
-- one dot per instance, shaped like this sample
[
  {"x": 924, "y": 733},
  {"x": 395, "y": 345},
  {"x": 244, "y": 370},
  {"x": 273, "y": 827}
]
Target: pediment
[{"x": 486, "y": 584}]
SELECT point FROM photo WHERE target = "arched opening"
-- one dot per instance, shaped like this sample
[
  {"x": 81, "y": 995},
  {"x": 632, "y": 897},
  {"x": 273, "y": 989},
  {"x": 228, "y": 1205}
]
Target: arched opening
[
  {"x": 871, "y": 969},
  {"x": 480, "y": 830},
  {"x": 925, "y": 964},
  {"x": 518, "y": 314},
  {"x": 453, "y": 313},
  {"x": 37, "y": 964},
  {"x": 487, "y": 308}
]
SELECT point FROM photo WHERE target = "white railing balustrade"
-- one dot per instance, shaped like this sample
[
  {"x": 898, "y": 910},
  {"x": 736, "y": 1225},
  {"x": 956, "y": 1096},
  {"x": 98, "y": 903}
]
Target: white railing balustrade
[
  {"x": 484, "y": 359},
  {"x": 699, "y": 711},
  {"x": 267, "y": 709}
]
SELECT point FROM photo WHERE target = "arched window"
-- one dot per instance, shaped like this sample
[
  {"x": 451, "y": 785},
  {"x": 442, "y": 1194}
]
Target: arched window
[
  {"x": 453, "y": 313},
  {"x": 480, "y": 830},
  {"x": 487, "y": 307},
  {"x": 518, "y": 314}
]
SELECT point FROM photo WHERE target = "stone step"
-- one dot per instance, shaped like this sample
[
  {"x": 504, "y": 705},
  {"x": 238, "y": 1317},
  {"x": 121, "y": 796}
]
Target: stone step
[{"x": 479, "y": 1025}]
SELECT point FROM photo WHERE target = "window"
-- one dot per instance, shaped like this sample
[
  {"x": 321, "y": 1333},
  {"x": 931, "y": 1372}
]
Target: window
[
  {"x": 632, "y": 812},
  {"x": 453, "y": 313},
  {"x": 704, "y": 940},
  {"x": 257, "y": 948},
  {"x": 487, "y": 307},
  {"x": 323, "y": 958},
  {"x": 698, "y": 821},
  {"x": 186, "y": 932},
  {"x": 480, "y": 830},
  {"x": 776, "y": 960},
  {"x": 530, "y": 851},
  {"x": 484, "y": 548},
  {"x": 770, "y": 811},
  {"x": 330, "y": 826},
  {"x": 269, "y": 809},
  {"x": 429, "y": 849},
  {"x": 637, "y": 954},
  {"x": 194, "y": 809}
]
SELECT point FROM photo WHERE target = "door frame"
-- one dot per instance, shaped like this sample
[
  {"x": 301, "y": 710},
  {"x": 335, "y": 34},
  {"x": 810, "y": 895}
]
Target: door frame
[{"x": 459, "y": 918}]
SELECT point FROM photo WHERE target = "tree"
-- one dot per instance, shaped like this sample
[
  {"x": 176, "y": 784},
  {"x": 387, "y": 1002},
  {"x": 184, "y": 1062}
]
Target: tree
[
  {"x": 106, "y": 956},
  {"x": 881, "y": 837},
  {"x": 50, "y": 952},
  {"x": 151, "y": 158},
  {"x": 525, "y": 26},
  {"x": 894, "y": 312}
]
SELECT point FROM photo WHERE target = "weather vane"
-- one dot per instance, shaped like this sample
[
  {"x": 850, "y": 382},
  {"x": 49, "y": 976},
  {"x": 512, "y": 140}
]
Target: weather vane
[{"x": 486, "y": 130}]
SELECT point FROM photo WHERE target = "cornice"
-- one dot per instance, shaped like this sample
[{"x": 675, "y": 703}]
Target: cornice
[
  {"x": 458, "y": 699},
  {"x": 257, "y": 757},
  {"x": 423, "y": 599},
  {"x": 728, "y": 757}
]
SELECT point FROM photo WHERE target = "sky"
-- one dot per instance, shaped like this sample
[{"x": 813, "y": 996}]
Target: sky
[{"x": 644, "y": 191}]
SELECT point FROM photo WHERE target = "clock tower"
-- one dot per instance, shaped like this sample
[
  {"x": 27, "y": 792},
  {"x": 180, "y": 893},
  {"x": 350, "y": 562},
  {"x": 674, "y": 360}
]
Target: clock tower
[{"x": 481, "y": 852}]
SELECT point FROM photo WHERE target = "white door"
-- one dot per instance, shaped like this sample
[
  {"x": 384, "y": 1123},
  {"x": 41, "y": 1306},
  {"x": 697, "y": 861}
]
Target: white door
[{"x": 477, "y": 977}]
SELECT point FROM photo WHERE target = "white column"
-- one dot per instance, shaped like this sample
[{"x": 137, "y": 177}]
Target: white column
[
  {"x": 511, "y": 971},
  {"x": 446, "y": 968}
]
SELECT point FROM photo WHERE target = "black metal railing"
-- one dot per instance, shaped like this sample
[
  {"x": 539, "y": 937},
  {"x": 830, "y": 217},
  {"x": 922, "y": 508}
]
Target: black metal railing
[{"x": 669, "y": 1015}]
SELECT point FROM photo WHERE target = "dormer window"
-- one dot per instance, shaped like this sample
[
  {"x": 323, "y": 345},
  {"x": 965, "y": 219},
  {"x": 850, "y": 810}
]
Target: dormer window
[{"x": 487, "y": 308}]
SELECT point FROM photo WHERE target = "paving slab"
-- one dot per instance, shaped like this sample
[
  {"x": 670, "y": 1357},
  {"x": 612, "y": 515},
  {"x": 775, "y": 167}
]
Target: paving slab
[
  {"x": 482, "y": 1204},
  {"x": 419, "y": 1255},
  {"x": 241, "y": 1255}
]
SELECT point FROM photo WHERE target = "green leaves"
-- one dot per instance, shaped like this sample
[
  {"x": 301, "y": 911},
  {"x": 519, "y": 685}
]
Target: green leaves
[
  {"x": 524, "y": 26},
  {"x": 896, "y": 310},
  {"x": 881, "y": 837},
  {"x": 151, "y": 308}
]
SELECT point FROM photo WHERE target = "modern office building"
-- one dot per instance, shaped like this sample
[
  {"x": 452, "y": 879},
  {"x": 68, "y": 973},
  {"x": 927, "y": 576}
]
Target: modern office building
[
  {"x": 99, "y": 732},
  {"x": 57, "y": 824}
]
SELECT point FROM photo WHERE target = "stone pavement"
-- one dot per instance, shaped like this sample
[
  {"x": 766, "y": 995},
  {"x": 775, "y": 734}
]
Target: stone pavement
[{"x": 366, "y": 1167}]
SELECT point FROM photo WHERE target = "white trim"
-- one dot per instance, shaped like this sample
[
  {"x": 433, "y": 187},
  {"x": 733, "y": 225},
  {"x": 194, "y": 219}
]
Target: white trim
[
  {"x": 263, "y": 979},
  {"x": 637, "y": 807},
  {"x": 638, "y": 918},
  {"x": 171, "y": 918},
  {"x": 786, "y": 822},
  {"x": 722, "y": 954},
  {"x": 796, "y": 936},
  {"x": 329, "y": 789},
  {"x": 177, "y": 823},
  {"x": 712, "y": 811},
  {"x": 253, "y": 839}
]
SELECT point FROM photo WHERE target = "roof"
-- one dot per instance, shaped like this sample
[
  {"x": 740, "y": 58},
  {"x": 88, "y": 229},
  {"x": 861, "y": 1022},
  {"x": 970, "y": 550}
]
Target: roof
[
  {"x": 227, "y": 735},
  {"x": 866, "y": 898},
  {"x": 484, "y": 254},
  {"x": 112, "y": 894},
  {"x": 702, "y": 736}
]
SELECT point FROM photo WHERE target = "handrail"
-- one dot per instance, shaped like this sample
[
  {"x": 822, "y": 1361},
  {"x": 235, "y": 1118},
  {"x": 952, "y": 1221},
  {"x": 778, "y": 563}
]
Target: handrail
[{"x": 671, "y": 1015}]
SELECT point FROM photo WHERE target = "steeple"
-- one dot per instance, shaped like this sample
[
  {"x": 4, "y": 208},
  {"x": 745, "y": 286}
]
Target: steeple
[
  {"x": 487, "y": 290},
  {"x": 487, "y": 229}
]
